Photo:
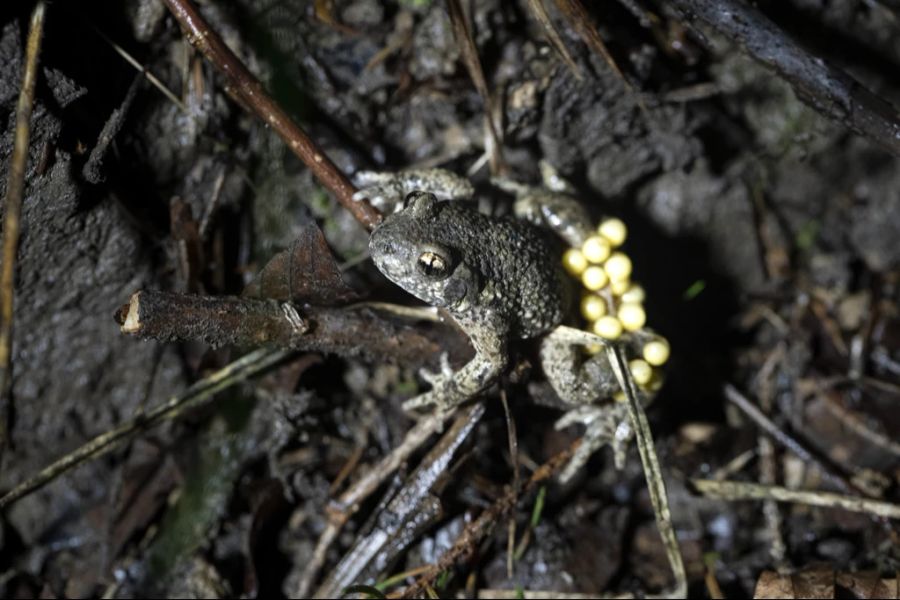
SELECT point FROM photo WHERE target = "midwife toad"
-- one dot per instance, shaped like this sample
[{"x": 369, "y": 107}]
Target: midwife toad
[{"x": 502, "y": 280}]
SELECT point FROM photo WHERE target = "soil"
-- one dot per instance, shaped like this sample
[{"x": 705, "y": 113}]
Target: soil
[{"x": 763, "y": 227}]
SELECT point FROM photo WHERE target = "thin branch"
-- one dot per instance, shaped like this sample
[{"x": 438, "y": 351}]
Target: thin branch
[
  {"x": 15, "y": 189},
  {"x": 463, "y": 35},
  {"x": 539, "y": 11},
  {"x": 580, "y": 19},
  {"x": 827, "y": 89},
  {"x": 740, "y": 490},
  {"x": 143, "y": 70},
  {"x": 247, "y": 88},
  {"x": 248, "y": 322},
  {"x": 481, "y": 527},
  {"x": 656, "y": 485},
  {"x": 197, "y": 395},
  {"x": 782, "y": 437},
  {"x": 404, "y": 508},
  {"x": 340, "y": 510}
]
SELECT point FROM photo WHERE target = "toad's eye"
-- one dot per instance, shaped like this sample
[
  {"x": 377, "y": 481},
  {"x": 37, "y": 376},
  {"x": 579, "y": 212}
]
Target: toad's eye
[
  {"x": 433, "y": 265},
  {"x": 415, "y": 196}
]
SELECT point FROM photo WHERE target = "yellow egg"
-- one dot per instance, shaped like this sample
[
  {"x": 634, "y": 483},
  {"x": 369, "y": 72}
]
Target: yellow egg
[
  {"x": 593, "y": 307},
  {"x": 656, "y": 352},
  {"x": 596, "y": 249},
  {"x": 634, "y": 293},
  {"x": 656, "y": 382},
  {"x": 641, "y": 371},
  {"x": 613, "y": 230},
  {"x": 574, "y": 261},
  {"x": 593, "y": 349},
  {"x": 619, "y": 396},
  {"x": 632, "y": 316},
  {"x": 618, "y": 266},
  {"x": 608, "y": 327},
  {"x": 594, "y": 278},
  {"x": 619, "y": 287}
]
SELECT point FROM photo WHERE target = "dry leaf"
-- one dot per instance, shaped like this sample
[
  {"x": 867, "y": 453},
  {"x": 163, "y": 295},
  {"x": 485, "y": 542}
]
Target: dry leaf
[
  {"x": 306, "y": 272},
  {"x": 822, "y": 582}
]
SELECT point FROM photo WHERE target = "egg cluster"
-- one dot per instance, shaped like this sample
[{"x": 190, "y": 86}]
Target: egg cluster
[{"x": 612, "y": 305}]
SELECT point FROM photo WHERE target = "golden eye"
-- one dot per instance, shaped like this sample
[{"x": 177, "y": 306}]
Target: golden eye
[{"x": 433, "y": 264}]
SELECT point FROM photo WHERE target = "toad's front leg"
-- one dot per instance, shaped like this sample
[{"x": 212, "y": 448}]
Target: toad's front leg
[{"x": 449, "y": 389}]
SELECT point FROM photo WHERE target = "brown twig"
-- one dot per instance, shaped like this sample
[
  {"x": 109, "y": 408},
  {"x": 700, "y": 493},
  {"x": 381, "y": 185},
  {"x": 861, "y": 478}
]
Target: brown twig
[
  {"x": 248, "y": 89},
  {"x": 463, "y": 35},
  {"x": 227, "y": 320},
  {"x": 539, "y": 11},
  {"x": 405, "y": 507},
  {"x": 478, "y": 529},
  {"x": 580, "y": 20},
  {"x": 340, "y": 511},
  {"x": 15, "y": 189},
  {"x": 827, "y": 89},
  {"x": 782, "y": 437}
]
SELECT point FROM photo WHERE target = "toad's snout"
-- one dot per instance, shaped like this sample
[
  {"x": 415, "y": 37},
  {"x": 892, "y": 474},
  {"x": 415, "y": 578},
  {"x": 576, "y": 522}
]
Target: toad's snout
[{"x": 381, "y": 245}]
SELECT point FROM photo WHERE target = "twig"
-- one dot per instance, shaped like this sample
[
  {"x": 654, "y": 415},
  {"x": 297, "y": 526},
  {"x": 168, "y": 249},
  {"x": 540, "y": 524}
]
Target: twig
[
  {"x": 540, "y": 13},
  {"x": 197, "y": 395},
  {"x": 712, "y": 583},
  {"x": 250, "y": 91},
  {"x": 513, "y": 442},
  {"x": 652, "y": 473},
  {"x": 768, "y": 466},
  {"x": 340, "y": 511},
  {"x": 740, "y": 490},
  {"x": 828, "y": 90},
  {"x": 520, "y": 594},
  {"x": 226, "y": 320},
  {"x": 853, "y": 421},
  {"x": 463, "y": 36},
  {"x": 478, "y": 529},
  {"x": 143, "y": 70},
  {"x": 15, "y": 189},
  {"x": 656, "y": 485},
  {"x": 404, "y": 509},
  {"x": 579, "y": 18},
  {"x": 782, "y": 437}
]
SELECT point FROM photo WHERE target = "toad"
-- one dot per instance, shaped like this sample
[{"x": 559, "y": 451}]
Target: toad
[{"x": 504, "y": 279}]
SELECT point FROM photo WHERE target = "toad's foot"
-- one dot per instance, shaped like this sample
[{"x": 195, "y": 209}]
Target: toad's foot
[
  {"x": 604, "y": 425},
  {"x": 449, "y": 389},
  {"x": 440, "y": 378},
  {"x": 387, "y": 191}
]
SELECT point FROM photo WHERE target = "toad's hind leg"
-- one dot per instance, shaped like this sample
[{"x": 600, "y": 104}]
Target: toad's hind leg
[
  {"x": 386, "y": 191},
  {"x": 551, "y": 206},
  {"x": 576, "y": 379},
  {"x": 587, "y": 385}
]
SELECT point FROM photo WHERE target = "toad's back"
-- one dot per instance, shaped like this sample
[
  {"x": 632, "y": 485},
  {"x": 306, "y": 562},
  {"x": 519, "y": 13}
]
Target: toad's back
[{"x": 517, "y": 263}]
